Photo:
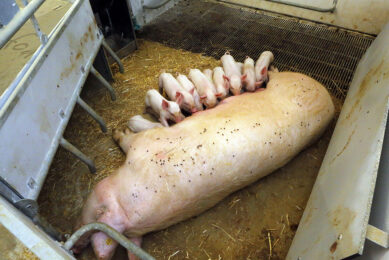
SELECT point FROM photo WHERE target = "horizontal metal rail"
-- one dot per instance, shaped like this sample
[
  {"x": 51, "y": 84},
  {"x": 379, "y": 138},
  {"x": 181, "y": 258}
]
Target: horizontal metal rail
[
  {"x": 313, "y": 8},
  {"x": 115, "y": 235},
  {"x": 157, "y": 5},
  {"x": 18, "y": 21},
  {"x": 318, "y": 9}
]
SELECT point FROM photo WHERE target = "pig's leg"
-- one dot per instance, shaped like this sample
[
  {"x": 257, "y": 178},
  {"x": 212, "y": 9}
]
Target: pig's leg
[
  {"x": 123, "y": 138},
  {"x": 137, "y": 241}
]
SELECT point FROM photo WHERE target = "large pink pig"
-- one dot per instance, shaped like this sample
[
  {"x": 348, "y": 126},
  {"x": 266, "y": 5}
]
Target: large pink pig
[{"x": 171, "y": 174}]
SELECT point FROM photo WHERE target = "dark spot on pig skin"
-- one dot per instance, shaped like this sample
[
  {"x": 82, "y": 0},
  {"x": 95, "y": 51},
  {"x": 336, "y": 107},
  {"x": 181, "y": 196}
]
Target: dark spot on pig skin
[
  {"x": 199, "y": 146},
  {"x": 129, "y": 162},
  {"x": 333, "y": 247}
]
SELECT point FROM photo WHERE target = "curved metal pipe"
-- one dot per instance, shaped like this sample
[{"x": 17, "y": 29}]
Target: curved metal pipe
[
  {"x": 156, "y": 6},
  {"x": 323, "y": 10},
  {"x": 122, "y": 240}
]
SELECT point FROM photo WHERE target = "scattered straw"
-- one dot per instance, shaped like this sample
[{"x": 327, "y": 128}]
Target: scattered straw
[
  {"x": 224, "y": 232},
  {"x": 170, "y": 256}
]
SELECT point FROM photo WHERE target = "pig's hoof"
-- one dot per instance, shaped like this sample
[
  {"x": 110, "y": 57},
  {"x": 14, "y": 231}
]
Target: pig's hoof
[{"x": 118, "y": 134}]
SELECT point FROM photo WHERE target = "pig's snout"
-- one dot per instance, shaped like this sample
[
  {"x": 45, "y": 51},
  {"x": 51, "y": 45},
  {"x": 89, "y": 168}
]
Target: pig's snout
[
  {"x": 178, "y": 117},
  {"x": 193, "y": 110}
]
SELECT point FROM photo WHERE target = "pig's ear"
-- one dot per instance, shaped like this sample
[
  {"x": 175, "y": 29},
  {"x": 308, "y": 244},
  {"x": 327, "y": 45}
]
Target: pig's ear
[
  {"x": 203, "y": 97},
  {"x": 165, "y": 105},
  {"x": 218, "y": 94},
  {"x": 226, "y": 78},
  {"x": 264, "y": 71},
  {"x": 179, "y": 98},
  {"x": 243, "y": 77},
  {"x": 191, "y": 91}
]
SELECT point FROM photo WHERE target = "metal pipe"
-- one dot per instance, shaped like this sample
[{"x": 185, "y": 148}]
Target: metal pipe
[
  {"x": 313, "y": 8},
  {"x": 122, "y": 240},
  {"x": 114, "y": 56},
  {"x": 42, "y": 37},
  {"x": 71, "y": 148},
  {"x": 19, "y": 19},
  {"x": 93, "y": 114},
  {"x": 104, "y": 82},
  {"x": 157, "y": 5},
  {"x": 323, "y": 10}
]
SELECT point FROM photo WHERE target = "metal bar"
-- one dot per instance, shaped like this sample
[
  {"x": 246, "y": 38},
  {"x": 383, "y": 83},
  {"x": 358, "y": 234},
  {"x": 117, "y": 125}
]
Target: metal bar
[
  {"x": 71, "y": 148},
  {"x": 377, "y": 236},
  {"x": 157, "y": 5},
  {"x": 122, "y": 240},
  {"x": 104, "y": 82},
  {"x": 318, "y": 9},
  {"x": 114, "y": 56},
  {"x": 323, "y": 10},
  {"x": 19, "y": 19},
  {"x": 93, "y": 114},
  {"x": 42, "y": 37}
]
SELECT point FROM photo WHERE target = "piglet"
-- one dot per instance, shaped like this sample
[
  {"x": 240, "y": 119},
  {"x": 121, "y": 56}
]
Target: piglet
[
  {"x": 248, "y": 69},
  {"x": 162, "y": 108},
  {"x": 221, "y": 83},
  {"x": 138, "y": 123},
  {"x": 233, "y": 74},
  {"x": 261, "y": 67},
  {"x": 204, "y": 87},
  {"x": 240, "y": 66},
  {"x": 188, "y": 86},
  {"x": 176, "y": 93}
]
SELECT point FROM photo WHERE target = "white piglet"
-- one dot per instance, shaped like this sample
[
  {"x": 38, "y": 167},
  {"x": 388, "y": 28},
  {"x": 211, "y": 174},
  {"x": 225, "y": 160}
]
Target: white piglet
[
  {"x": 176, "y": 93},
  {"x": 204, "y": 88},
  {"x": 233, "y": 74},
  {"x": 188, "y": 86},
  {"x": 221, "y": 83},
  {"x": 262, "y": 66},
  {"x": 162, "y": 108},
  {"x": 240, "y": 66},
  {"x": 248, "y": 69},
  {"x": 138, "y": 123}
]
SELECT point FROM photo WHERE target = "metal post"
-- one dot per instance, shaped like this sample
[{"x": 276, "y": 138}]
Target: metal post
[
  {"x": 114, "y": 56},
  {"x": 122, "y": 240},
  {"x": 42, "y": 37},
  {"x": 93, "y": 114},
  {"x": 18, "y": 20},
  {"x": 71, "y": 148},
  {"x": 104, "y": 82}
]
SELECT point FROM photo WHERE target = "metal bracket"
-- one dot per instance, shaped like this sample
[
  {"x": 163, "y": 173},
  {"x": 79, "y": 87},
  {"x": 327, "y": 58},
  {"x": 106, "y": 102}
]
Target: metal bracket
[
  {"x": 104, "y": 82},
  {"x": 114, "y": 56},
  {"x": 377, "y": 236},
  {"x": 93, "y": 114},
  {"x": 28, "y": 207},
  {"x": 72, "y": 149}
]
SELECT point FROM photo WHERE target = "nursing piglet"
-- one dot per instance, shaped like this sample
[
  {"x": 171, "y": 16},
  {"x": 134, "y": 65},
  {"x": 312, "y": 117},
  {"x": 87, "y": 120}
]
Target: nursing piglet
[
  {"x": 162, "y": 108},
  {"x": 138, "y": 124},
  {"x": 204, "y": 87},
  {"x": 261, "y": 67},
  {"x": 233, "y": 74},
  {"x": 175, "y": 92},
  {"x": 221, "y": 83},
  {"x": 188, "y": 86},
  {"x": 248, "y": 69}
]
